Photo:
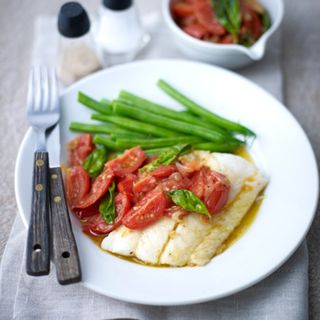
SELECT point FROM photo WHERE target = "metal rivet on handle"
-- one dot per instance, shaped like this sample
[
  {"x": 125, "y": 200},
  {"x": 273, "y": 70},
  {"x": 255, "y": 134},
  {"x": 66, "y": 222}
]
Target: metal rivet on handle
[
  {"x": 57, "y": 199},
  {"x": 39, "y": 162},
  {"x": 39, "y": 187},
  {"x": 54, "y": 176}
]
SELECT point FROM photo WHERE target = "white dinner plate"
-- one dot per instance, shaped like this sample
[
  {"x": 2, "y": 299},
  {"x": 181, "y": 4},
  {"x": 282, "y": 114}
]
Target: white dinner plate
[{"x": 281, "y": 150}]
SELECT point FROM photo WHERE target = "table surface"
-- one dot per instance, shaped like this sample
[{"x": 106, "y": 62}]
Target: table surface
[{"x": 301, "y": 69}]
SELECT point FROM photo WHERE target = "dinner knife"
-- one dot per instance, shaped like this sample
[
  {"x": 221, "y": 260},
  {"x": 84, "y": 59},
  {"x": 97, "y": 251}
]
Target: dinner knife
[{"x": 64, "y": 247}]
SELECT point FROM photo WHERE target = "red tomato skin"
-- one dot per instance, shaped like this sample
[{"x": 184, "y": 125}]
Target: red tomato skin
[
  {"x": 97, "y": 226},
  {"x": 212, "y": 188},
  {"x": 99, "y": 187},
  {"x": 195, "y": 30},
  {"x": 163, "y": 171},
  {"x": 217, "y": 199},
  {"x": 145, "y": 184},
  {"x": 251, "y": 22},
  {"x": 87, "y": 212},
  {"x": 147, "y": 211},
  {"x": 77, "y": 184},
  {"x": 125, "y": 185},
  {"x": 79, "y": 148},
  {"x": 175, "y": 181},
  {"x": 205, "y": 16},
  {"x": 198, "y": 183},
  {"x": 181, "y": 10},
  {"x": 129, "y": 162}
]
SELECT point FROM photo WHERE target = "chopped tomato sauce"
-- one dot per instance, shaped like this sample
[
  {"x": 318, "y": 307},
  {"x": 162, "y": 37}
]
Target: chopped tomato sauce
[{"x": 140, "y": 197}]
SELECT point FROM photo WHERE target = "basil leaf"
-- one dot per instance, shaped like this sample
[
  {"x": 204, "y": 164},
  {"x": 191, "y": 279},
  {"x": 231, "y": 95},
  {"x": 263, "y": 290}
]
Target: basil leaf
[
  {"x": 166, "y": 157},
  {"x": 188, "y": 201},
  {"x": 219, "y": 9},
  {"x": 107, "y": 207},
  {"x": 95, "y": 161},
  {"x": 247, "y": 40},
  {"x": 234, "y": 15},
  {"x": 229, "y": 15},
  {"x": 266, "y": 21}
]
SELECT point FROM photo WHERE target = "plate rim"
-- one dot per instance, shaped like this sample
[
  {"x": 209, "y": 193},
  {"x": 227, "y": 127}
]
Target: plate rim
[{"x": 233, "y": 74}]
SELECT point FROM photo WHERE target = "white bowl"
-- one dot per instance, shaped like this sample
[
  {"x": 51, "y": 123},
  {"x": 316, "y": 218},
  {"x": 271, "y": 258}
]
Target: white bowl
[{"x": 225, "y": 55}]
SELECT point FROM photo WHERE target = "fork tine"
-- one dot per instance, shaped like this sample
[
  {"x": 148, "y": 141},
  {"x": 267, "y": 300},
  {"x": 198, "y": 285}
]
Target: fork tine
[
  {"x": 54, "y": 90},
  {"x": 30, "y": 97},
  {"x": 37, "y": 88},
  {"x": 45, "y": 88}
]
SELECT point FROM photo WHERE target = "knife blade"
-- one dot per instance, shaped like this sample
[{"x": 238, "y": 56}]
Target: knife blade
[{"x": 64, "y": 247}]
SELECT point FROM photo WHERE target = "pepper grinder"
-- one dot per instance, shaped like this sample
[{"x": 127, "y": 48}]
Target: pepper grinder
[
  {"x": 78, "y": 55},
  {"x": 120, "y": 34}
]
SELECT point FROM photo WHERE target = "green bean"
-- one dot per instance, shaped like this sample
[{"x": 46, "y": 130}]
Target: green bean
[
  {"x": 155, "y": 143},
  {"x": 90, "y": 128},
  {"x": 197, "y": 109},
  {"x": 154, "y": 151},
  {"x": 128, "y": 135},
  {"x": 93, "y": 104},
  {"x": 106, "y": 102},
  {"x": 134, "y": 125},
  {"x": 98, "y": 128},
  {"x": 127, "y": 110},
  {"x": 217, "y": 147},
  {"x": 149, "y": 106},
  {"x": 105, "y": 141}
]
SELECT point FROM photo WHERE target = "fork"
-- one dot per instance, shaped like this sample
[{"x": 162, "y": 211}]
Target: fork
[{"x": 42, "y": 113}]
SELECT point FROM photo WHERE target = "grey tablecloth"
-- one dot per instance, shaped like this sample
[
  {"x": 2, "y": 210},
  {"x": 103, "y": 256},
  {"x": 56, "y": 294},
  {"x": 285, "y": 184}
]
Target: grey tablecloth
[{"x": 284, "y": 295}]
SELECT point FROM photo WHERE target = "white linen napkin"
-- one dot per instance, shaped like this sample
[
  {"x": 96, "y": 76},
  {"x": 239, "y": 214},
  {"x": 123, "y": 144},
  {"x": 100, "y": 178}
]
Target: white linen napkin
[{"x": 283, "y": 295}]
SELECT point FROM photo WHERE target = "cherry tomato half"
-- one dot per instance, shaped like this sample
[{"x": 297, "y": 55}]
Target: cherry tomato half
[
  {"x": 99, "y": 187},
  {"x": 125, "y": 185},
  {"x": 87, "y": 212},
  {"x": 96, "y": 225},
  {"x": 211, "y": 187},
  {"x": 163, "y": 171},
  {"x": 129, "y": 162},
  {"x": 77, "y": 184},
  {"x": 147, "y": 211},
  {"x": 79, "y": 148},
  {"x": 175, "y": 181}
]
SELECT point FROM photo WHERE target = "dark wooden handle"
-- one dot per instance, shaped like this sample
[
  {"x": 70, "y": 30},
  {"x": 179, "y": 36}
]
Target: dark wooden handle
[
  {"x": 64, "y": 247},
  {"x": 38, "y": 244}
]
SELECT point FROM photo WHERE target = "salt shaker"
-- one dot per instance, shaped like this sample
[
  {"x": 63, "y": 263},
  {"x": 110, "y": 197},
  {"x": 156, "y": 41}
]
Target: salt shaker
[
  {"x": 78, "y": 55},
  {"x": 120, "y": 34}
]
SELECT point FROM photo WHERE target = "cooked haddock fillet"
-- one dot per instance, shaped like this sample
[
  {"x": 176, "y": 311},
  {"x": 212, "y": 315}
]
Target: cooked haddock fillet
[
  {"x": 188, "y": 234},
  {"x": 121, "y": 241},
  {"x": 193, "y": 240},
  {"x": 225, "y": 222},
  {"x": 146, "y": 244},
  {"x": 153, "y": 239}
]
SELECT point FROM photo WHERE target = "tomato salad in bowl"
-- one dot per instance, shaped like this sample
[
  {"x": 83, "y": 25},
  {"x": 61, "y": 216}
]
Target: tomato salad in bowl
[
  {"x": 224, "y": 22},
  {"x": 166, "y": 191}
]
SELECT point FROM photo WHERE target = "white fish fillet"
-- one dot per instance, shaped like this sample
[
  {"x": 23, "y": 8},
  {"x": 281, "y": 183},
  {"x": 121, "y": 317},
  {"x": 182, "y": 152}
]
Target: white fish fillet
[
  {"x": 193, "y": 240},
  {"x": 153, "y": 239},
  {"x": 146, "y": 244},
  {"x": 189, "y": 233},
  {"x": 121, "y": 241},
  {"x": 225, "y": 222}
]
